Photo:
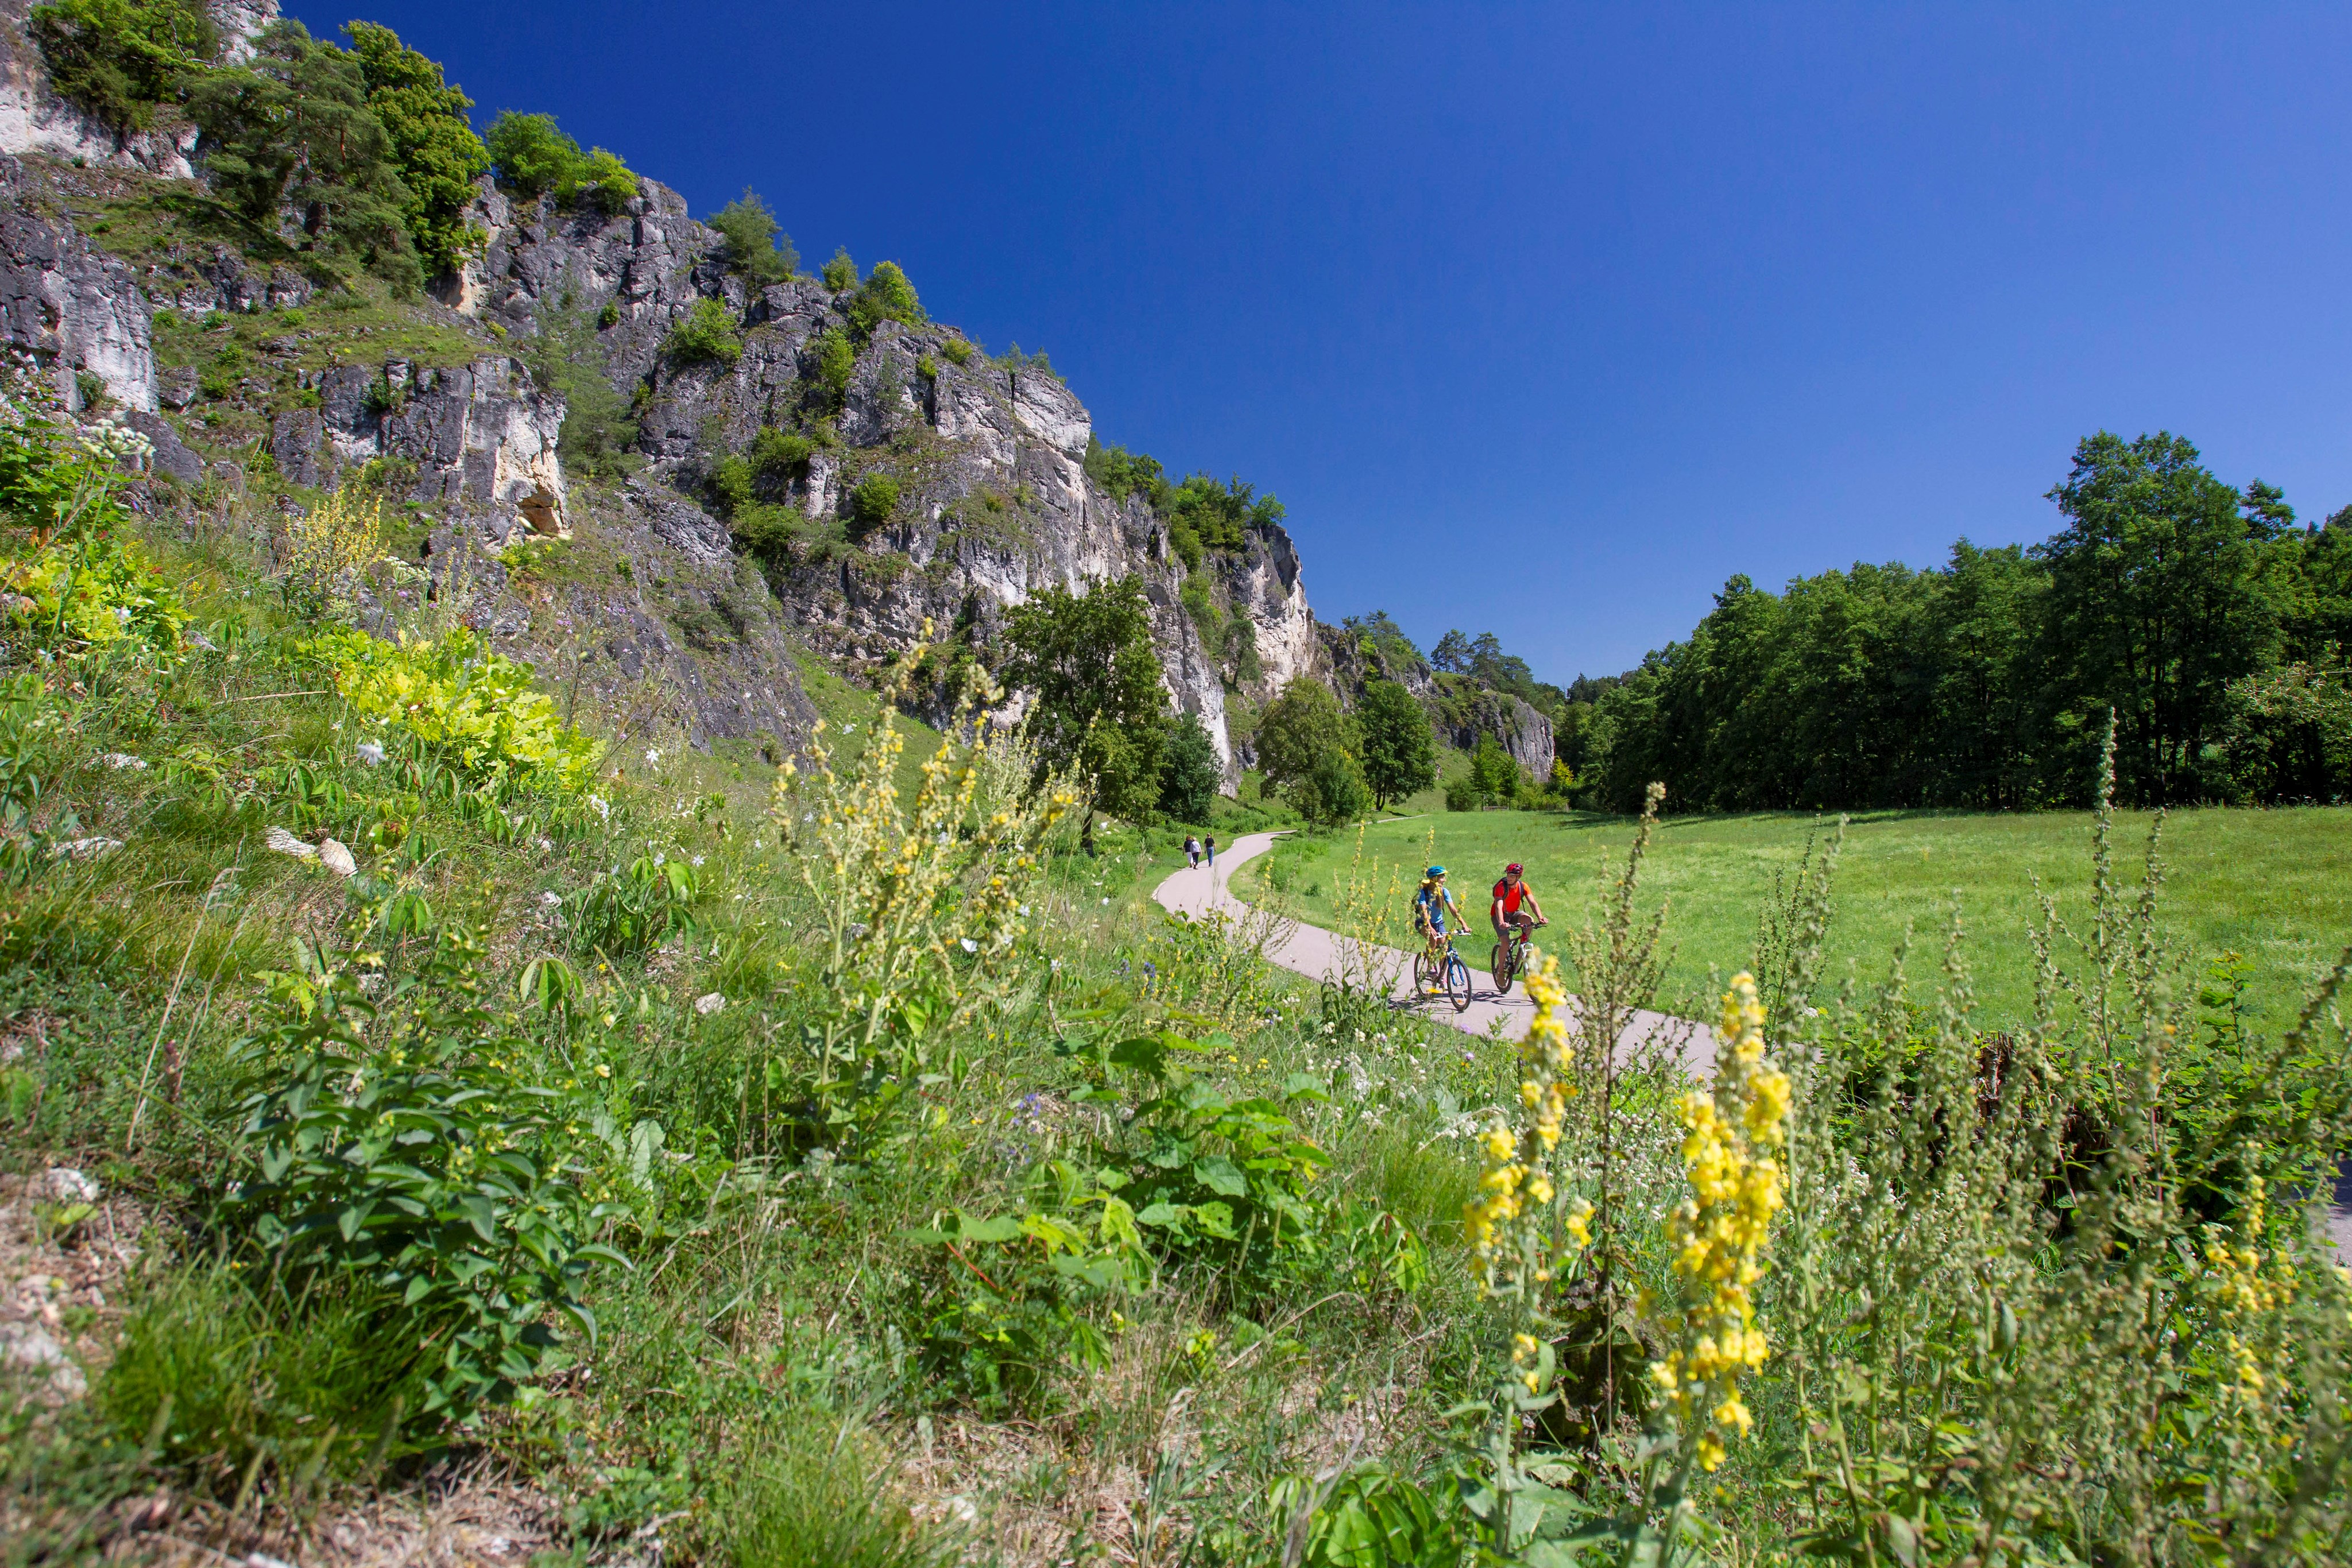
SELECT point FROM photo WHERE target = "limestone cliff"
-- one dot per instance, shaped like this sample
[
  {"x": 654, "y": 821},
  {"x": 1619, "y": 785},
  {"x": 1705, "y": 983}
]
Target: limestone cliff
[
  {"x": 994, "y": 500},
  {"x": 237, "y": 368}
]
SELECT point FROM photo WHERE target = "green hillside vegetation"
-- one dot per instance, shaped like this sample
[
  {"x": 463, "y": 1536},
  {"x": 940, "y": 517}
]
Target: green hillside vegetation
[
  {"x": 420, "y": 1080},
  {"x": 2273, "y": 887}
]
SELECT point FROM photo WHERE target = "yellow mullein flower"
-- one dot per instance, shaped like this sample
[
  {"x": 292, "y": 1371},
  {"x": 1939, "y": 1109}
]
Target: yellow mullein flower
[{"x": 1718, "y": 1234}]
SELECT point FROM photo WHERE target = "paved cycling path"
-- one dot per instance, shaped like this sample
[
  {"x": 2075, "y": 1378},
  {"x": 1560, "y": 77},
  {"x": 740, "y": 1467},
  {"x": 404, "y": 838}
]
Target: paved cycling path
[{"x": 1311, "y": 951}]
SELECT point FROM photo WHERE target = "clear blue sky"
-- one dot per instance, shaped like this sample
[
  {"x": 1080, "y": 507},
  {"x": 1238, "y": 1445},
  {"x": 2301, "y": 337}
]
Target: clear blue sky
[{"x": 1542, "y": 320}]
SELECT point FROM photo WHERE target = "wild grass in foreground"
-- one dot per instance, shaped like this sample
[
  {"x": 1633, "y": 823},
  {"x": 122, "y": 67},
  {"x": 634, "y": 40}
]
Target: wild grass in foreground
[{"x": 873, "y": 1179}]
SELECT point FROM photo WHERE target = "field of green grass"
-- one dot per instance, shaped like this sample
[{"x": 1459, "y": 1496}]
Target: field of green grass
[{"x": 2275, "y": 886}]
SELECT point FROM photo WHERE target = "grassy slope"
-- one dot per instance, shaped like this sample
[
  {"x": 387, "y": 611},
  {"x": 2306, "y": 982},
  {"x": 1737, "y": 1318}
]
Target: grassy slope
[{"x": 2273, "y": 885}]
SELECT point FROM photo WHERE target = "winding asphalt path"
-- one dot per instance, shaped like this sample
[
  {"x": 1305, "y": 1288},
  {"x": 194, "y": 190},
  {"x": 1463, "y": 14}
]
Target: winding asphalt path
[{"x": 1311, "y": 951}]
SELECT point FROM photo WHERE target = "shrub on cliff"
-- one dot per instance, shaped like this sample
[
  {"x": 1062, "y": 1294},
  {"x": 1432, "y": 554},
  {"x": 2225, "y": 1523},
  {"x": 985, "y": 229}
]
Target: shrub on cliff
[
  {"x": 887, "y": 296},
  {"x": 755, "y": 244},
  {"x": 534, "y": 158},
  {"x": 872, "y": 503},
  {"x": 840, "y": 274},
  {"x": 120, "y": 60},
  {"x": 707, "y": 336},
  {"x": 566, "y": 357}
]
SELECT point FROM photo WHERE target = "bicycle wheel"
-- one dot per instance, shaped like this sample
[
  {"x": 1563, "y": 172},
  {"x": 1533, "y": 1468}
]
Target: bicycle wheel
[
  {"x": 1500, "y": 967},
  {"x": 1424, "y": 974},
  {"x": 1458, "y": 981}
]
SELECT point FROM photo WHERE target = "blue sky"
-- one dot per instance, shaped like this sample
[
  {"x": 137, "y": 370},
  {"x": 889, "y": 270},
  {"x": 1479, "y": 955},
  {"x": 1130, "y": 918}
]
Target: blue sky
[{"x": 1547, "y": 319}]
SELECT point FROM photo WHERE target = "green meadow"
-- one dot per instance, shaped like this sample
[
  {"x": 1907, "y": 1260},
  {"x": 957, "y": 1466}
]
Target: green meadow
[{"x": 2275, "y": 886}]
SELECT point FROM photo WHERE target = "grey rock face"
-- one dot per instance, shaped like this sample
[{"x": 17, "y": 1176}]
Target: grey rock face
[
  {"x": 482, "y": 437},
  {"x": 74, "y": 307},
  {"x": 171, "y": 455},
  {"x": 994, "y": 502}
]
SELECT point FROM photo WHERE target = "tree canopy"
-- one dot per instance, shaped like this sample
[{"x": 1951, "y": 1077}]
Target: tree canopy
[
  {"x": 1400, "y": 752},
  {"x": 1097, "y": 707},
  {"x": 432, "y": 141},
  {"x": 292, "y": 129}
]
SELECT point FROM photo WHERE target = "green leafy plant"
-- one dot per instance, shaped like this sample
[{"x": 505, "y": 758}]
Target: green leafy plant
[
  {"x": 534, "y": 157},
  {"x": 633, "y": 908},
  {"x": 840, "y": 274},
  {"x": 754, "y": 244},
  {"x": 958, "y": 351},
  {"x": 999, "y": 1306},
  {"x": 886, "y": 295},
  {"x": 1212, "y": 1176},
  {"x": 705, "y": 337},
  {"x": 872, "y": 503},
  {"x": 411, "y": 1144},
  {"x": 464, "y": 702}
]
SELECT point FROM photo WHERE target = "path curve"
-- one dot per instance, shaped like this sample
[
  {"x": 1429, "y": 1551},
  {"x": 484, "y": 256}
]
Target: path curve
[{"x": 1312, "y": 951}]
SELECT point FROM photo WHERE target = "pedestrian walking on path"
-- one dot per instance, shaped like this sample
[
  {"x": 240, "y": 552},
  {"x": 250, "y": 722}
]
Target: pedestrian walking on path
[
  {"x": 1210, "y": 845},
  {"x": 1192, "y": 852}
]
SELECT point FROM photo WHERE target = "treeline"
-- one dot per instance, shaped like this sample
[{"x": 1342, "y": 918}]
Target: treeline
[{"x": 2204, "y": 619}]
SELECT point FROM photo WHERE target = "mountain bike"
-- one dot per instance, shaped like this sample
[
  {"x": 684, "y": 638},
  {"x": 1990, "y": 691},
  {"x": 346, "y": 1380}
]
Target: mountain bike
[
  {"x": 1510, "y": 960},
  {"x": 1440, "y": 969}
]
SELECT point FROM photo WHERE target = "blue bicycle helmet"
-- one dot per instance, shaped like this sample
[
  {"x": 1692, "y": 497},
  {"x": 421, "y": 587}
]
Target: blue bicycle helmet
[{"x": 1435, "y": 870}]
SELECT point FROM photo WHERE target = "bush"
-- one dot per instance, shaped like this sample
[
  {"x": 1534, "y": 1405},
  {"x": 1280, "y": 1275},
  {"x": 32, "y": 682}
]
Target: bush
[
  {"x": 763, "y": 527},
  {"x": 534, "y": 158},
  {"x": 999, "y": 1308},
  {"x": 1212, "y": 1177},
  {"x": 752, "y": 243},
  {"x": 886, "y": 297},
  {"x": 707, "y": 336},
  {"x": 840, "y": 274},
  {"x": 1332, "y": 790},
  {"x": 605, "y": 183},
  {"x": 779, "y": 456},
  {"x": 463, "y": 701},
  {"x": 872, "y": 503},
  {"x": 120, "y": 60},
  {"x": 1462, "y": 794},
  {"x": 410, "y": 1147},
  {"x": 566, "y": 357},
  {"x": 633, "y": 909},
  {"x": 958, "y": 351},
  {"x": 834, "y": 360},
  {"x": 86, "y": 586}
]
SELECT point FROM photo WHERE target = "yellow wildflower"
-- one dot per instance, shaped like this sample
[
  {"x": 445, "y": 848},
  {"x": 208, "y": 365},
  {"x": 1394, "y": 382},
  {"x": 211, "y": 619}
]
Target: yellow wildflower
[{"x": 1718, "y": 1233}]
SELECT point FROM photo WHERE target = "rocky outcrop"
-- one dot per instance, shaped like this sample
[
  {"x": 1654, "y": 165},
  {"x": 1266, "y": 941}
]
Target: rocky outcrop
[
  {"x": 480, "y": 438},
  {"x": 76, "y": 310},
  {"x": 994, "y": 502},
  {"x": 1461, "y": 711},
  {"x": 34, "y": 118}
]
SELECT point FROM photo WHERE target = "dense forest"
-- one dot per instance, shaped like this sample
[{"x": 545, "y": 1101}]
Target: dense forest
[{"x": 2206, "y": 619}]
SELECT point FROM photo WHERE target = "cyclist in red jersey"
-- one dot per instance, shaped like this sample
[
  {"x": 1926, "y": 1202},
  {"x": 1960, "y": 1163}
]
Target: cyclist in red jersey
[{"x": 1510, "y": 894}]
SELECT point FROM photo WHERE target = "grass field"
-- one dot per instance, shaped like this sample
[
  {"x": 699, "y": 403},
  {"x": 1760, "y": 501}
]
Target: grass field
[{"x": 2275, "y": 886}]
